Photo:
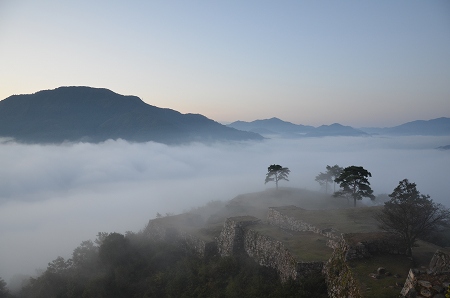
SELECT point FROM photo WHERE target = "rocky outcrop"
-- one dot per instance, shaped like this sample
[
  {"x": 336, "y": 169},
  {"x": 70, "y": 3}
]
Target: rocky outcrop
[
  {"x": 440, "y": 263},
  {"x": 431, "y": 282}
]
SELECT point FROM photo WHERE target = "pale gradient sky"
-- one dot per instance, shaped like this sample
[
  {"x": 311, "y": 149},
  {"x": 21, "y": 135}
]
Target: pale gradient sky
[{"x": 359, "y": 63}]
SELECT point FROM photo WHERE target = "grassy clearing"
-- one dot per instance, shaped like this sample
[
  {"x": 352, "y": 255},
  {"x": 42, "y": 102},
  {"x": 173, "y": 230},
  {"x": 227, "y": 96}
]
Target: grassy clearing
[
  {"x": 353, "y": 220},
  {"x": 305, "y": 246},
  {"x": 385, "y": 286}
]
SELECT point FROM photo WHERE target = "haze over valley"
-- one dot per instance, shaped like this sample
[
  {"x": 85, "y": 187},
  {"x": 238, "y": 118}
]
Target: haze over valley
[
  {"x": 115, "y": 113},
  {"x": 52, "y": 197}
]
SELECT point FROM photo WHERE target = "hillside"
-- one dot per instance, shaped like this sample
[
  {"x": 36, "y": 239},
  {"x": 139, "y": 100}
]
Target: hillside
[
  {"x": 95, "y": 115},
  {"x": 298, "y": 232}
]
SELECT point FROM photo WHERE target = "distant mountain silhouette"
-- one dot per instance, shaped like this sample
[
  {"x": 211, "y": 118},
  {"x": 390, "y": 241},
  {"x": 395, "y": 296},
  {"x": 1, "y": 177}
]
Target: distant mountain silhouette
[
  {"x": 335, "y": 129},
  {"x": 279, "y": 128},
  {"x": 95, "y": 115},
  {"x": 446, "y": 147},
  {"x": 272, "y": 126},
  {"x": 433, "y": 127}
]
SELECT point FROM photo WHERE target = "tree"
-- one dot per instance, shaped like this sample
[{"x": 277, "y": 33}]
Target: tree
[
  {"x": 411, "y": 215},
  {"x": 4, "y": 292},
  {"x": 323, "y": 179},
  {"x": 354, "y": 184},
  {"x": 277, "y": 173},
  {"x": 334, "y": 172}
]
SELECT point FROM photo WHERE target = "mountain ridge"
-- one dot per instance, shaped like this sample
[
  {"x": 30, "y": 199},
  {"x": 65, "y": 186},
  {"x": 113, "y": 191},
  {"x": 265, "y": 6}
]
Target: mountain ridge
[
  {"x": 277, "y": 127},
  {"x": 79, "y": 113},
  {"x": 273, "y": 127}
]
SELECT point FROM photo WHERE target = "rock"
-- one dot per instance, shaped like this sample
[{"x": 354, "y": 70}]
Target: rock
[
  {"x": 411, "y": 293},
  {"x": 374, "y": 276},
  {"x": 397, "y": 275},
  {"x": 439, "y": 296},
  {"x": 424, "y": 283},
  {"x": 438, "y": 289},
  {"x": 387, "y": 273},
  {"x": 425, "y": 293},
  {"x": 400, "y": 285},
  {"x": 381, "y": 270}
]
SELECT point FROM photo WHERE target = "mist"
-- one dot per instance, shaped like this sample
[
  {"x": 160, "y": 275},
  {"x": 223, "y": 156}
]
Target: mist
[{"x": 52, "y": 197}]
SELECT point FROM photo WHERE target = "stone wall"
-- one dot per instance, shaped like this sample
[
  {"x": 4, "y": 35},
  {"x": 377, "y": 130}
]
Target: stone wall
[
  {"x": 270, "y": 253},
  {"x": 276, "y": 218},
  {"x": 338, "y": 276},
  {"x": 237, "y": 237},
  {"x": 364, "y": 245},
  {"x": 231, "y": 238}
]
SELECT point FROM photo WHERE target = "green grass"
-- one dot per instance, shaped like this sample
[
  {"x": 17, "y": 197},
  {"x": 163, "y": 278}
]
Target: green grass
[
  {"x": 352, "y": 220},
  {"x": 304, "y": 246},
  {"x": 385, "y": 286}
]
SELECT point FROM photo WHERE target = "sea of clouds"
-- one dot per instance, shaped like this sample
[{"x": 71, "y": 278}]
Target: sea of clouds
[{"x": 52, "y": 197}]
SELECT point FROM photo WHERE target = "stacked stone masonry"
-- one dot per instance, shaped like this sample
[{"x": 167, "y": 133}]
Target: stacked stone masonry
[{"x": 238, "y": 237}]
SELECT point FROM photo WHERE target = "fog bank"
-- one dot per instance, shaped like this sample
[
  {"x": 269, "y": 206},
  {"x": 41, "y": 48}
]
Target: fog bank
[{"x": 52, "y": 197}]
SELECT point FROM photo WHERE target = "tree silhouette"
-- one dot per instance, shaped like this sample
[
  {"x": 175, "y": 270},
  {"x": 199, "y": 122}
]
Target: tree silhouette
[
  {"x": 354, "y": 184},
  {"x": 277, "y": 173},
  {"x": 334, "y": 172},
  {"x": 411, "y": 215},
  {"x": 324, "y": 179}
]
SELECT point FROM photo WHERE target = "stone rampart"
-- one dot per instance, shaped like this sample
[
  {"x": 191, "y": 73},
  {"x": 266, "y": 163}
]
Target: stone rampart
[
  {"x": 338, "y": 275},
  {"x": 277, "y": 218},
  {"x": 238, "y": 237}
]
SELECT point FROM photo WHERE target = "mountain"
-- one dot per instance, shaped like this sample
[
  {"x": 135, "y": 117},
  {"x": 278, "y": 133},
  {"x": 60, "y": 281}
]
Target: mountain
[
  {"x": 276, "y": 127},
  {"x": 335, "y": 129},
  {"x": 272, "y": 126},
  {"x": 96, "y": 114},
  {"x": 433, "y": 127},
  {"x": 446, "y": 147}
]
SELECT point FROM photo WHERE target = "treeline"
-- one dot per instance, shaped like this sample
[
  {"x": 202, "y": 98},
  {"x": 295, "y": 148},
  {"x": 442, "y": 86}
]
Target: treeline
[{"x": 131, "y": 265}]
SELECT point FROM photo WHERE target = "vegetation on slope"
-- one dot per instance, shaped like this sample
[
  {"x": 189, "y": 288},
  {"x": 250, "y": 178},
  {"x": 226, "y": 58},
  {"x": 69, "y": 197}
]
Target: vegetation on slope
[{"x": 135, "y": 266}]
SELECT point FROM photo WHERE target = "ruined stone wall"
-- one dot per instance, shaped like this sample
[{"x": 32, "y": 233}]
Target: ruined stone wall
[
  {"x": 270, "y": 253},
  {"x": 369, "y": 244},
  {"x": 231, "y": 238},
  {"x": 237, "y": 237},
  {"x": 338, "y": 276},
  {"x": 276, "y": 218}
]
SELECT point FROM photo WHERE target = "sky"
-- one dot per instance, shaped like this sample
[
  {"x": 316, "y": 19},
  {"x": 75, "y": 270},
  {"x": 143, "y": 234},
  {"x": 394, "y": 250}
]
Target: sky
[
  {"x": 53, "y": 197},
  {"x": 359, "y": 63}
]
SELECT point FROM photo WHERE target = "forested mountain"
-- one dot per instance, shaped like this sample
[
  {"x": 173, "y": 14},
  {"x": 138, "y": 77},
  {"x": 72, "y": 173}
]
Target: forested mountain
[{"x": 95, "y": 115}]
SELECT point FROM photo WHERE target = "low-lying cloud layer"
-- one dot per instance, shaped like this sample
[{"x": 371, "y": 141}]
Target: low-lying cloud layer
[{"x": 53, "y": 197}]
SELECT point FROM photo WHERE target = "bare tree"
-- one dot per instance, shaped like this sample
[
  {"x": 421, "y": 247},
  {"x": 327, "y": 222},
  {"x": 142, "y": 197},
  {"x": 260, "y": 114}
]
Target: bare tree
[{"x": 411, "y": 215}]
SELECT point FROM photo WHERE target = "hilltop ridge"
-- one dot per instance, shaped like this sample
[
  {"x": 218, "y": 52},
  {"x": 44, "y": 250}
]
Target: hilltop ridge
[{"x": 96, "y": 114}]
